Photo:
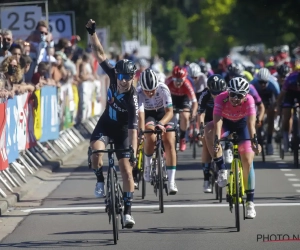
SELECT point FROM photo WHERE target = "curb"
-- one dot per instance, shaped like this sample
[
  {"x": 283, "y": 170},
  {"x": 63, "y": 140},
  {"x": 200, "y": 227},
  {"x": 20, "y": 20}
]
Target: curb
[{"x": 49, "y": 167}]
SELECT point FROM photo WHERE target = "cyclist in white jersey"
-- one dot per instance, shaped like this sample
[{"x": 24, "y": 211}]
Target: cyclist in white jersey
[
  {"x": 199, "y": 78},
  {"x": 156, "y": 110}
]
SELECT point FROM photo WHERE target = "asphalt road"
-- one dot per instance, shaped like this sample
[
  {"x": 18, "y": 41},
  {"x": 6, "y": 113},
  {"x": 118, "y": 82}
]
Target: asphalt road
[{"x": 71, "y": 218}]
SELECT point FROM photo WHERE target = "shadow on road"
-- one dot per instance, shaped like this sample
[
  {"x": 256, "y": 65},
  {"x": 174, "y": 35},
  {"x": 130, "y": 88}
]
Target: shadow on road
[{"x": 57, "y": 244}]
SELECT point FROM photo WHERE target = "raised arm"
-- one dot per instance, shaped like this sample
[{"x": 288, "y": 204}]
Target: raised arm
[{"x": 97, "y": 48}]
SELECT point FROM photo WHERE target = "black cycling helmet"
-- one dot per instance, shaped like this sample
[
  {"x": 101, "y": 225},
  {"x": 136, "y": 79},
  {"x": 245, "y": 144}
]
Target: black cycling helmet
[
  {"x": 203, "y": 67},
  {"x": 283, "y": 70},
  {"x": 250, "y": 69},
  {"x": 216, "y": 84},
  {"x": 234, "y": 69},
  {"x": 125, "y": 66}
]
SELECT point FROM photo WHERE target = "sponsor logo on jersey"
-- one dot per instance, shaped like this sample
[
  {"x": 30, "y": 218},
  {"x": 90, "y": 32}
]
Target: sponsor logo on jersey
[
  {"x": 225, "y": 100},
  {"x": 135, "y": 100}
]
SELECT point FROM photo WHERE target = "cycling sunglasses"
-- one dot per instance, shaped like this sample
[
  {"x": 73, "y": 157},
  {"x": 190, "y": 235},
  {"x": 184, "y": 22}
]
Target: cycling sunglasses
[
  {"x": 262, "y": 82},
  {"x": 238, "y": 96},
  {"x": 177, "y": 79},
  {"x": 125, "y": 77}
]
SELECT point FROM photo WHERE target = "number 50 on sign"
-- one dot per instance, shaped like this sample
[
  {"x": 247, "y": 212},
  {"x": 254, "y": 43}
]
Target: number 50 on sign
[{"x": 21, "y": 20}]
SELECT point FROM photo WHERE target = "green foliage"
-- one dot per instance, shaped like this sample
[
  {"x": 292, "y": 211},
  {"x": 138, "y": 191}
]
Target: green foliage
[{"x": 193, "y": 28}]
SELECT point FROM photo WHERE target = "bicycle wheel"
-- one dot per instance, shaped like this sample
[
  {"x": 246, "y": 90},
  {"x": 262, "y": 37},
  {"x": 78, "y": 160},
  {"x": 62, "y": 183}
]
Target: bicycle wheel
[
  {"x": 160, "y": 179},
  {"x": 194, "y": 142},
  {"x": 143, "y": 180},
  {"x": 281, "y": 147},
  {"x": 295, "y": 145},
  {"x": 236, "y": 190},
  {"x": 220, "y": 192},
  {"x": 113, "y": 204}
]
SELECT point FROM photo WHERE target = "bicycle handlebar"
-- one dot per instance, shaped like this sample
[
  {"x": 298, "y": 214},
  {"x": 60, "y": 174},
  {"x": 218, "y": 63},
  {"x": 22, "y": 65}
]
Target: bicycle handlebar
[
  {"x": 157, "y": 131},
  {"x": 130, "y": 149}
]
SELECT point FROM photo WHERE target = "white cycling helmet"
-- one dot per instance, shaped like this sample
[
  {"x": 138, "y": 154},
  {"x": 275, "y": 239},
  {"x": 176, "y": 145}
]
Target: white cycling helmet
[
  {"x": 194, "y": 70},
  {"x": 148, "y": 80},
  {"x": 239, "y": 85},
  {"x": 263, "y": 75}
]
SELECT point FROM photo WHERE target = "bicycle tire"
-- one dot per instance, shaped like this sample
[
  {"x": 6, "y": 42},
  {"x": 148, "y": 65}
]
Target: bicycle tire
[
  {"x": 213, "y": 181},
  {"x": 113, "y": 205},
  {"x": 194, "y": 142},
  {"x": 295, "y": 143},
  {"x": 160, "y": 179},
  {"x": 143, "y": 180},
  {"x": 281, "y": 148},
  {"x": 237, "y": 189},
  {"x": 220, "y": 192}
]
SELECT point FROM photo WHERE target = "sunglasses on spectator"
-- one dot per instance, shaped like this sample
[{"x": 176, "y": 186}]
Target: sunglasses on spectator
[
  {"x": 194, "y": 78},
  {"x": 7, "y": 39},
  {"x": 125, "y": 77},
  {"x": 44, "y": 33},
  {"x": 262, "y": 82},
  {"x": 177, "y": 79},
  {"x": 235, "y": 95}
]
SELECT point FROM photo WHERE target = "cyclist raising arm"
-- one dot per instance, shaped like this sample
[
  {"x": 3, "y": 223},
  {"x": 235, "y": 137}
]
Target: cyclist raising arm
[
  {"x": 118, "y": 122},
  {"x": 156, "y": 110},
  {"x": 234, "y": 111}
]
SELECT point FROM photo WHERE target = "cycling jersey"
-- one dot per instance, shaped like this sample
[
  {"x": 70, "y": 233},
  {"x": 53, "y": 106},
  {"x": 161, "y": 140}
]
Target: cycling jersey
[
  {"x": 291, "y": 83},
  {"x": 121, "y": 109},
  {"x": 224, "y": 108},
  {"x": 293, "y": 92},
  {"x": 268, "y": 94},
  {"x": 206, "y": 105},
  {"x": 200, "y": 84},
  {"x": 161, "y": 99},
  {"x": 185, "y": 89},
  {"x": 234, "y": 118},
  {"x": 247, "y": 75},
  {"x": 255, "y": 95}
]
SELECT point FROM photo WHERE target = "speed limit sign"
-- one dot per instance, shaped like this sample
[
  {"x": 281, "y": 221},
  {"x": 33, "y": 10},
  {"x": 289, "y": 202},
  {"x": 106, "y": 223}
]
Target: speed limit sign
[
  {"x": 21, "y": 20},
  {"x": 60, "y": 25}
]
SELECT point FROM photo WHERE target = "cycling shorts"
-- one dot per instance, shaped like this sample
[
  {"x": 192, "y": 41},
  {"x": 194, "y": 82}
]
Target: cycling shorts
[
  {"x": 241, "y": 129},
  {"x": 153, "y": 116},
  {"x": 181, "y": 102},
  {"x": 106, "y": 130},
  {"x": 290, "y": 97}
]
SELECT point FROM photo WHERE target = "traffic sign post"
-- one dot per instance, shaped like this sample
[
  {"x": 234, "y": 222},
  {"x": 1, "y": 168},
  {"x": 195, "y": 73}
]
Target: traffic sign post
[{"x": 22, "y": 17}]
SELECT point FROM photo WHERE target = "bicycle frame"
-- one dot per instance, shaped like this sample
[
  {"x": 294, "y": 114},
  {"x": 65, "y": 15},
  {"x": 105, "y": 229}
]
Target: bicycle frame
[{"x": 114, "y": 196}]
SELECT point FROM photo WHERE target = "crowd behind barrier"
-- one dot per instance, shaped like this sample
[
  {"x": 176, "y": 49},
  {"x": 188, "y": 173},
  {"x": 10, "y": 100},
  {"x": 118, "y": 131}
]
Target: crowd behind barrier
[{"x": 49, "y": 94}]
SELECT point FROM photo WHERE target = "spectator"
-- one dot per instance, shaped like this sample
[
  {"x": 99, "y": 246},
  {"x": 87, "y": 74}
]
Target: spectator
[
  {"x": 60, "y": 57},
  {"x": 25, "y": 62},
  {"x": 5, "y": 43},
  {"x": 17, "y": 51},
  {"x": 40, "y": 77},
  {"x": 12, "y": 71}
]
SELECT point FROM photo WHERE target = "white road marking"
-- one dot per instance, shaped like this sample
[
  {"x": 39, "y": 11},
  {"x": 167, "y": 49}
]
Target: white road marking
[
  {"x": 289, "y": 174},
  {"x": 293, "y": 179},
  {"x": 298, "y": 191},
  {"x": 296, "y": 184},
  {"x": 156, "y": 206},
  {"x": 285, "y": 169}
]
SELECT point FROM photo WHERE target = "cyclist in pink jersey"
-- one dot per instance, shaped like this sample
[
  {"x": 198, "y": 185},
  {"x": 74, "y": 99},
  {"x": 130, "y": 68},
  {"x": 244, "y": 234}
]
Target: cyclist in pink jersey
[{"x": 234, "y": 111}]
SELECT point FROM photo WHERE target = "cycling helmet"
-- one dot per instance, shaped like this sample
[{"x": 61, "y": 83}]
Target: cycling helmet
[
  {"x": 283, "y": 70},
  {"x": 203, "y": 67},
  {"x": 179, "y": 72},
  {"x": 148, "y": 80},
  {"x": 234, "y": 69},
  {"x": 125, "y": 66},
  {"x": 250, "y": 69},
  {"x": 263, "y": 75},
  {"x": 143, "y": 63},
  {"x": 216, "y": 84},
  {"x": 239, "y": 85},
  {"x": 194, "y": 70}
]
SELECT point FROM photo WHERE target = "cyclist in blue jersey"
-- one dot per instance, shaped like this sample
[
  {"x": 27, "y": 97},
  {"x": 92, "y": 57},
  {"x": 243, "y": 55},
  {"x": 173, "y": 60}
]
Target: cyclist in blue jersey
[
  {"x": 268, "y": 89},
  {"x": 119, "y": 122}
]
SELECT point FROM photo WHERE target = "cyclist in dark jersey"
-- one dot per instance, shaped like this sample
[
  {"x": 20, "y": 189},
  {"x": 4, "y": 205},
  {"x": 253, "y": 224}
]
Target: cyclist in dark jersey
[
  {"x": 118, "y": 122},
  {"x": 215, "y": 86}
]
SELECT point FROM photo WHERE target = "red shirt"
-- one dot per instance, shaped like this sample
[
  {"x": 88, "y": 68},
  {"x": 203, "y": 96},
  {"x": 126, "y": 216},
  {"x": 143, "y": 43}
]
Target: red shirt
[
  {"x": 185, "y": 89},
  {"x": 36, "y": 78}
]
